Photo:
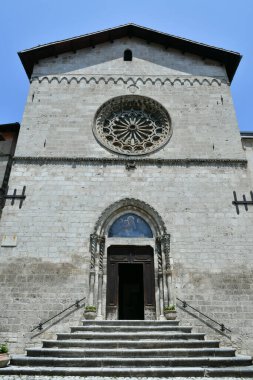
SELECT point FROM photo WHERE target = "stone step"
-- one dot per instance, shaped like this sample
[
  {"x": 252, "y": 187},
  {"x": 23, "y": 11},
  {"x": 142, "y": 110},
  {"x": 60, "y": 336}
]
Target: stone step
[
  {"x": 131, "y": 349},
  {"x": 131, "y": 343},
  {"x": 244, "y": 372},
  {"x": 132, "y": 362},
  {"x": 136, "y": 336},
  {"x": 125, "y": 353},
  {"x": 132, "y": 329},
  {"x": 129, "y": 323}
]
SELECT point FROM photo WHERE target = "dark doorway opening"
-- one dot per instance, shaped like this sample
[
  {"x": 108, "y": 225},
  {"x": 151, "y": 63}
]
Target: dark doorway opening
[{"x": 131, "y": 293}]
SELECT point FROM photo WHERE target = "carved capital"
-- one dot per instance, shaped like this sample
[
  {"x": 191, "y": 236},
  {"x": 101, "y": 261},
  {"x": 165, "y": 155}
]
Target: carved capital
[
  {"x": 166, "y": 242},
  {"x": 166, "y": 249}
]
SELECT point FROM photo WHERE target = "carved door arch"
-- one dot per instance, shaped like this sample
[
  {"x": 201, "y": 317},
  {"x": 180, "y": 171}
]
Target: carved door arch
[{"x": 160, "y": 242}]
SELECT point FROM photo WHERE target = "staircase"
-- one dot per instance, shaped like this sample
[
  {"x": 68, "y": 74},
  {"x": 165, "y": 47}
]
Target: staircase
[{"x": 131, "y": 348}]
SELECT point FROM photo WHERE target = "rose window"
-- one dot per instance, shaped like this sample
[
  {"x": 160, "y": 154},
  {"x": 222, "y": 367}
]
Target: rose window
[{"x": 132, "y": 125}]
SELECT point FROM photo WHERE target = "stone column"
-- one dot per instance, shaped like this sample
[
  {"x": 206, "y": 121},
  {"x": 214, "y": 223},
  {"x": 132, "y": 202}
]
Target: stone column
[
  {"x": 100, "y": 275},
  {"x": 168, "y": 269},
  {"x": 93, "y": 249},
  {"x": 160, "y": 276}
]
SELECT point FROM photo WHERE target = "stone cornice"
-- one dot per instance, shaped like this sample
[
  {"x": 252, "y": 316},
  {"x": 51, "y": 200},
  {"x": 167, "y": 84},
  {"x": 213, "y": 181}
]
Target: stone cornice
[
  {"x": 125, "y": 161},
  {"x": 133, "y": 80}
]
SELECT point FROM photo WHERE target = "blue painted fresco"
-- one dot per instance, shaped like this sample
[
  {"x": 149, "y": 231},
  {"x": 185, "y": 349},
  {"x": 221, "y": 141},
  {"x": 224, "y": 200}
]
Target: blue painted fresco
[{"x": 130, "y": 225}]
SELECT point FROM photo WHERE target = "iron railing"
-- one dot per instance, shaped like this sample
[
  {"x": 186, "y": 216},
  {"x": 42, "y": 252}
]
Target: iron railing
[
  {"x": 77, "y": 305},
  {"x": 40, "y": 325},
  {"x": 222, "y": 326}
]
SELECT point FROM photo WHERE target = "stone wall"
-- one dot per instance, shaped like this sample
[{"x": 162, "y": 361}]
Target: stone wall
[
  {"x": 60, "y": 109},
  {"x": 211, "y": 245},
  {"x": 247, "y": 144},
  {"x": 148, "y": 59},
  {"x": 48, "y": 269}
]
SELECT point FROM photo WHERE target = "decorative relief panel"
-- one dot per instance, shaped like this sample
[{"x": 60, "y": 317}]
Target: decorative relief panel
[{"x": 132, "y": 125}]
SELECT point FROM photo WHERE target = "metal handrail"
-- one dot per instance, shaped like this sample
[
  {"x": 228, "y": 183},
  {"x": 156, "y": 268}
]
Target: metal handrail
[
  {"x": 222, "y": 326},
  {"x": 40, "y": 325}
]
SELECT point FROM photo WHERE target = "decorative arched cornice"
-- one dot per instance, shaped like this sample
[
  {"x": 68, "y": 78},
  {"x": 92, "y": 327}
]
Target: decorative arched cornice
[
  {"x": 130, "y": 204},
  {"x": 163, "y": 80}
]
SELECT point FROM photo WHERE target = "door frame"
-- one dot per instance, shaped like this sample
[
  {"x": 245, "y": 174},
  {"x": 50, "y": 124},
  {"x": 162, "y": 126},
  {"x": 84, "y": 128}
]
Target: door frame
[
  {"x": 130, "y": 254},
  {"x": 160, "y": 242}
]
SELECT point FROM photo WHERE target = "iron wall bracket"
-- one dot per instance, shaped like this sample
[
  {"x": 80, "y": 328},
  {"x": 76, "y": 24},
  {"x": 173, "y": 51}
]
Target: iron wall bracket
[
  {"x": 244, "y": 202},
  {"x": 14, "y": 196}
]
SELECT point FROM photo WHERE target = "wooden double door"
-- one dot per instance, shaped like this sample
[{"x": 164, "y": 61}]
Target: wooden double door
[{"x": 130, "y": 283}]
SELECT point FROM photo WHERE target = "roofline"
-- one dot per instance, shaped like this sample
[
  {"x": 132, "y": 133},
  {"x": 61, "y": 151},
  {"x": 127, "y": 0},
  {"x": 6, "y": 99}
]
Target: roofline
[
  {"x": 9, "y": 126},
  {"x": 246, "y": 135},
  {"x": 29, "y": 57}
]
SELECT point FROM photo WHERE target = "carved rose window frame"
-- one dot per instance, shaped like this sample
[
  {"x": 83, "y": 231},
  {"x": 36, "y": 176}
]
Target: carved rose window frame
[{"x": 132, "y": 125}]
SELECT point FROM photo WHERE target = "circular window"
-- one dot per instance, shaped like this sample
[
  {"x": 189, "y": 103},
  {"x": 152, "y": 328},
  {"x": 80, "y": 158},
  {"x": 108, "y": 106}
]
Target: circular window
[{"x": 132, "y": 125}]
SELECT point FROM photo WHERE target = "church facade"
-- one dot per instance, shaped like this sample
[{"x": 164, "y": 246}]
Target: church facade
[{"x": 138, "y": 187}]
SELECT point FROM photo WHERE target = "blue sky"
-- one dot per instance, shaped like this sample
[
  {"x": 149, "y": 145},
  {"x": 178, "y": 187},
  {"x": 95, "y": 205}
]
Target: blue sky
[{"x": 26, "y": 23}]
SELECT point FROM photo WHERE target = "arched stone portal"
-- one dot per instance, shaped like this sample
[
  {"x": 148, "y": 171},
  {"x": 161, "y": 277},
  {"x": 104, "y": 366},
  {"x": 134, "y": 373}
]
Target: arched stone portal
[{"x": 150, "y": 233}]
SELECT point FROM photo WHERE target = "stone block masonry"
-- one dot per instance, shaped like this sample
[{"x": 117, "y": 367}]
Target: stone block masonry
[
  {"x": 48, "y": 268},
  {"x": 67, "y": 91},
  {"x": 71, "y": 179}
]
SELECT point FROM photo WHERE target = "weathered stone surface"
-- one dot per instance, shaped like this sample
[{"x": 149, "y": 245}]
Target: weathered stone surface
[
  {"x": 211, "y": 246},
  {"x": 122, "y": 348},
  {"x": 37, "y": 377}
]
